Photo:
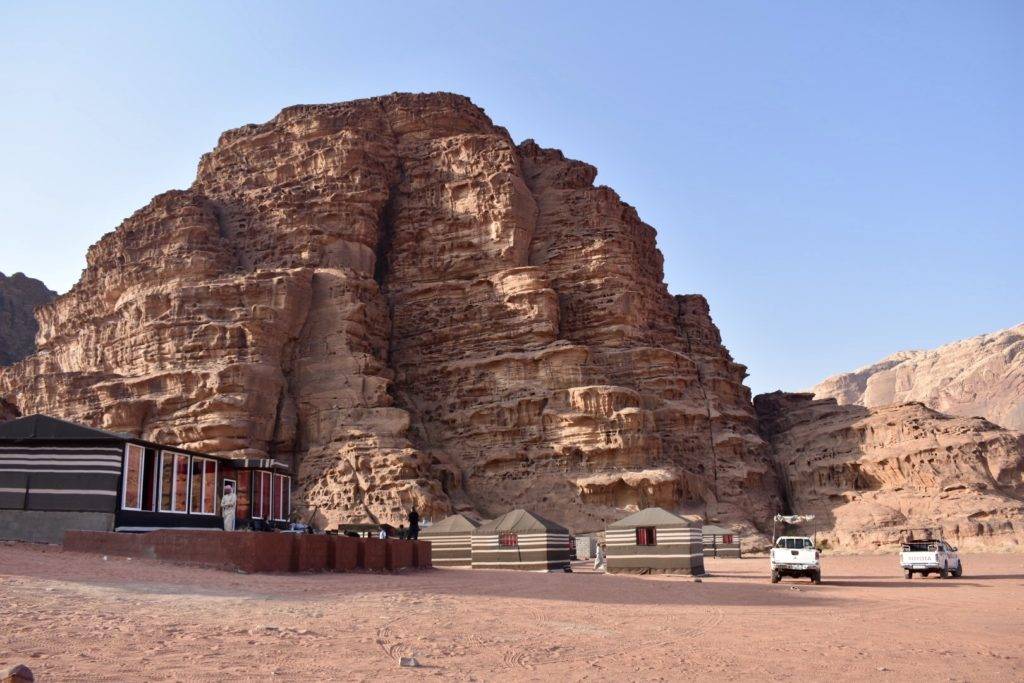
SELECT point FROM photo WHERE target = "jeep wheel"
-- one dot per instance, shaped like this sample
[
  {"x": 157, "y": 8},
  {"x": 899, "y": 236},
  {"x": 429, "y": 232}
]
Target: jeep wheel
[
  {"x": 776, "y": 577},
  {"x": 908, "y": 574},
  {"x": 944, "y": 572},
  {"x": 816, "y": 578},
  {"x": 959, "y": 571}
]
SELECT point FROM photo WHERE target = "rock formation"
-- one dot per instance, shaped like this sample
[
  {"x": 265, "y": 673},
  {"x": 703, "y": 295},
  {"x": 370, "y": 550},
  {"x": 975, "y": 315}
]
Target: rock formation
[
  {"x": 982, "y": 376},
  {"x": 19, "y": 297},
  {"x": 8, "y": 411},
  {"x": 867, "y": 473},
  {"x": 395, "y": 297}
]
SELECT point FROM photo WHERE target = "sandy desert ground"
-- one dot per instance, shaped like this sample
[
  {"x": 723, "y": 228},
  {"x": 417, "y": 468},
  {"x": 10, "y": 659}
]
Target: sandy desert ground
[{"x": 73, "y": 617}]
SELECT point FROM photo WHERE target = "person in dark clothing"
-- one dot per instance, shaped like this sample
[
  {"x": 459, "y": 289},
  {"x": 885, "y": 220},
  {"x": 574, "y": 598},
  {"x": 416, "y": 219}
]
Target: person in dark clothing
[{"x": 414, "y": 524}]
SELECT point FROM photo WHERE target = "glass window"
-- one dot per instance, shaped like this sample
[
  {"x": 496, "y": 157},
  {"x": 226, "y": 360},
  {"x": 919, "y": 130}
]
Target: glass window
[
  {"x": 174, "y": 475},
  {"x": 132, "y": 495},
  {"x": 261, "y": 500},
  {"x": 210, "y": 498},
  {"x": 646, "y": 535},
  {"x": 180, "y": 483},
  {"x": 282, "y": 497},
  {"x": 204, "y": 486},
  {"x": 166, "y": 481},
  {"x": 196, "y": 502}
]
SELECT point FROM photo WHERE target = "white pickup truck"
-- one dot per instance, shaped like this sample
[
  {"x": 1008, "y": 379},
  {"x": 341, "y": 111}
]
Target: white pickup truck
[
  {"x": 925, "y": 557},
  {"x": 795, "y": 556}
]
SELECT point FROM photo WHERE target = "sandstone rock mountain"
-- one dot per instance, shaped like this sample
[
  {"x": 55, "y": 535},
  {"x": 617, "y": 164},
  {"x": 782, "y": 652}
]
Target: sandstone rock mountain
[
  {"x": 408, "y": 306},
  {"x": 8, "y": 411},
  {"x": 19, "y": 297},
  {"x": 982, "y": 376},
  {"x": 867, "y": 473}
]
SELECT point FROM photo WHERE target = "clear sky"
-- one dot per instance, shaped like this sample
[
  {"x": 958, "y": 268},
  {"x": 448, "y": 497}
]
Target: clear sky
[{"x": 841, "y": 180}]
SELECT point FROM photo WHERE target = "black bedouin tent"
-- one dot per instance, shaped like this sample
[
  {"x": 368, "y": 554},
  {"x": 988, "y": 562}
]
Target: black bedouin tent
[{"x": 57, "y": 475}]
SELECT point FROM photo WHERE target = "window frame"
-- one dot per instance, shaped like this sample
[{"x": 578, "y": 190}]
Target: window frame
[
  {"x": 651, "y": 532},
  {"x": 508, "y": 539},
  {"x": 174, "y": 482},
  {"x": 141, "y": 452},
  {"x": 281, "y": 492},
  {"x": 202, "y": 486},
  {"x": 258, "y": 500}
]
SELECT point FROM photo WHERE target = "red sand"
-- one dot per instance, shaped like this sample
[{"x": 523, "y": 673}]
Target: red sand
[{"x": 72, "y": 616}]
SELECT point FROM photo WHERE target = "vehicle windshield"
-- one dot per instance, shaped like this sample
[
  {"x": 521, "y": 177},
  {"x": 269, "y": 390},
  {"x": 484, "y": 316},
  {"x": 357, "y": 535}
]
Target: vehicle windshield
[{"x": 794, "y": 543}]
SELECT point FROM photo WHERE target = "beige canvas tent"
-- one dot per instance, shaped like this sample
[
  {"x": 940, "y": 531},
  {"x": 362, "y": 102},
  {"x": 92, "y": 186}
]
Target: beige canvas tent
[
  {"x": 521, "y": 540},
  {"x": 655, "y": 540},
  {"x": 451, "y": 541},
  {"x": 720, "y": 542}
]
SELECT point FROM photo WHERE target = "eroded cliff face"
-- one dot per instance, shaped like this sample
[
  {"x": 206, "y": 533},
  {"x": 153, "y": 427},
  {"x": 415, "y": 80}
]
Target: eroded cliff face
[
  {"x": 868, "y": 473},
  {"x": 8, "y": 411},
  {"x": 978, "y": 377},
  {"x": 19, "y": 297},
  {"x": 409, "y": 307}
]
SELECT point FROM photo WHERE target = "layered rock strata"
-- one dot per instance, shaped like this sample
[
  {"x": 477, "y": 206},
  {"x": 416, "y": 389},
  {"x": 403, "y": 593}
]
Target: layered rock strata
[
  {"x": 409, "y": 307},
  {"x": 19, "y": 297},
  {"x": 869, "y": 473},
  {"x": 982, "y": 376}
]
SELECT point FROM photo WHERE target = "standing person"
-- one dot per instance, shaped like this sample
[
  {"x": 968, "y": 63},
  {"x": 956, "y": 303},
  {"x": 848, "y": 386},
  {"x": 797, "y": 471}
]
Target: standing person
[
  {"x": 228, "y": 502},
  {"x": 599, "y": 557},
  {"x": 382, "y": 534},
  {"x": 414, "y": 524}
]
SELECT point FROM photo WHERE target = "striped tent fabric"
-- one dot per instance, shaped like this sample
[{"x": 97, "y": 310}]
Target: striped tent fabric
[
  {"x": 451, "y": 541},
  {"x": 655, "y": 541},
  {"x": 53, "y": 471},
  {"x": 521, "y": 540},
  {"x": 720, "y": 542}
]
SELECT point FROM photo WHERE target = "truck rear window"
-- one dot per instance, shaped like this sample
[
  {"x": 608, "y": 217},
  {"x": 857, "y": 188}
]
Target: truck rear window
[{"x": 794, "y": 543}]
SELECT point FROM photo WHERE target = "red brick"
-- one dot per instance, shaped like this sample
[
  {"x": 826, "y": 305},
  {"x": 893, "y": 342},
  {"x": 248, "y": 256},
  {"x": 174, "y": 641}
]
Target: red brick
[
  {"x": 374, "y": 553},
  {"x": 346, "y": 551}
]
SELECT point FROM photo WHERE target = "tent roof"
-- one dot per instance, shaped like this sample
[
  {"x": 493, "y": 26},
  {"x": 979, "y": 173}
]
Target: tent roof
[
  {"x": 520, "y": 521},
  {"x": 453, "y": 524},
  {"x": 51, "y": 429},
  {"x": 44, "y": 428},
  {"x": 655, "y": 517},
  {"x": 714, "y": 529}
]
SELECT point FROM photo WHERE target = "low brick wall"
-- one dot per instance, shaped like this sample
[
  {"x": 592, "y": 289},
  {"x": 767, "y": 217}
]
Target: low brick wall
[
  {"x": 398, "y": 554},
  {"x": 374, "y": 554},
  {"x": 250, "y": 552},
  {"x": 346, "y": 550},
  {"x": 312, "y": 553},
  {"x": 421, "y": 554}
]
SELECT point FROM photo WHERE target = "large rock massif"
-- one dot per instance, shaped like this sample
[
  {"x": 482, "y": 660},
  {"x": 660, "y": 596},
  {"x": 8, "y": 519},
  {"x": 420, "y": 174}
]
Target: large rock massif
[
  {"x": 19, "y": 297},
  {"x": 982, "y": 376},
  {"x": 868, "y": 473},
  {"x": 409, "y": 307}
]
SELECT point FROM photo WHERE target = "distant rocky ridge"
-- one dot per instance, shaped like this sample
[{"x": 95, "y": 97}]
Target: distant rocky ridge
[
  {"x": 19, "y": 297},
  {"x": 982, "y": 376},
  {"x": 410, "y": 308},
  {"x": 869, "y": 473}
]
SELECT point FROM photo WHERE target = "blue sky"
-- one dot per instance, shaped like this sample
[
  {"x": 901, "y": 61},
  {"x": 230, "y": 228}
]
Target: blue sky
[{"x": 841, "y": 180}]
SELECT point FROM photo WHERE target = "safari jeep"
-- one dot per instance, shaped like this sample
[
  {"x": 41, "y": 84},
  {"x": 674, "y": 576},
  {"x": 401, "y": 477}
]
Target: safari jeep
[
  {"x": 930, "y": 556},
  {"x": 795, "y": 556}
]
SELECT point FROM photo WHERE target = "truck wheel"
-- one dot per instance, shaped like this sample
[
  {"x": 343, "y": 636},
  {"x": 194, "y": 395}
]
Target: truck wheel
[
  {"x": 816, "y": 578},
  {"x": 908, "y": 574},
  {"x": 959, "y": 571},
  {"x": 776, "y": 577},
  {"x": 944, "y": 572}
]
